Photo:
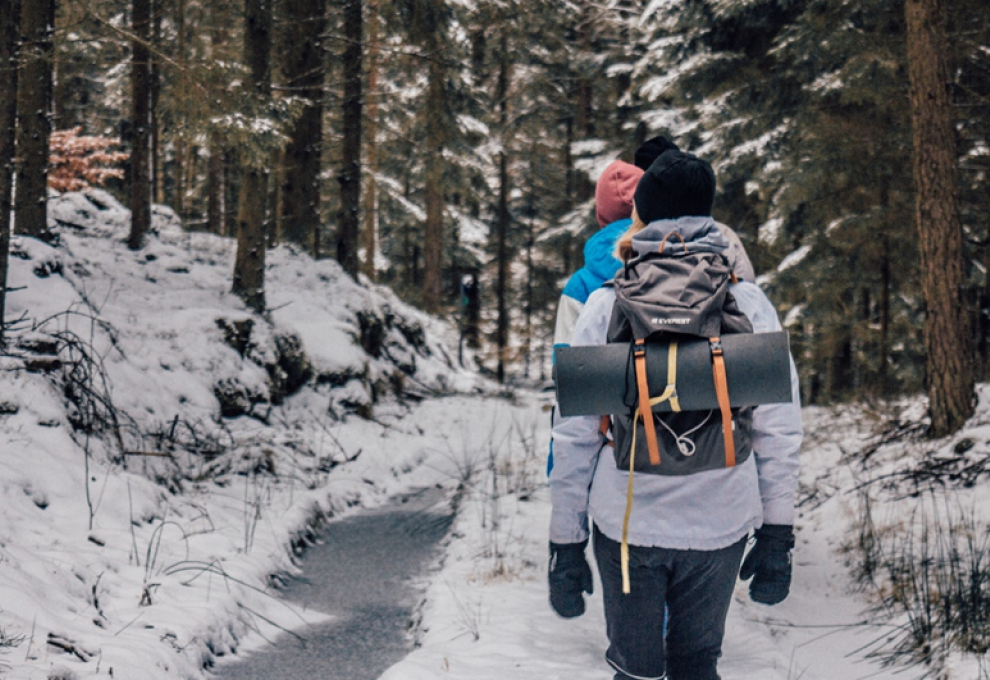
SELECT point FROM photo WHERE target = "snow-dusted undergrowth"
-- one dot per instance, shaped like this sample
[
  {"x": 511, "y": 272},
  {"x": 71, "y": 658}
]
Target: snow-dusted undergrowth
[
  {"x": 163, "y": 452},
  {"x": 487, "y": 615}
]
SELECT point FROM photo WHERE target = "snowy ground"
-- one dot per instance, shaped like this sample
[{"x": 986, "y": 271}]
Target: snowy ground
[
  {"x": 487, "y": 614},
  {"x": 142, "y": 534}
]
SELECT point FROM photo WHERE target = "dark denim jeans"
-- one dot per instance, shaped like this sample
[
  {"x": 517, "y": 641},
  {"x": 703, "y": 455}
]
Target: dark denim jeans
[{"x": 696, "y": 586}]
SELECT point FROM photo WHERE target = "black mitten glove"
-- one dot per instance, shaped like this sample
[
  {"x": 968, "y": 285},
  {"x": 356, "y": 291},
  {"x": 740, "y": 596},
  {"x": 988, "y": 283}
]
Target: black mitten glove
[
  {"x": 769, "y": 564},
  {"x": 570, "y": 576}
]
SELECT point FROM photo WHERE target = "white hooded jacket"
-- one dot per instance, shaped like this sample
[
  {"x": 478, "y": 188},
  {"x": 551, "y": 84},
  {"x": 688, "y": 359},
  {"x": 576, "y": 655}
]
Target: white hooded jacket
[{"x": 704, "y": 511}]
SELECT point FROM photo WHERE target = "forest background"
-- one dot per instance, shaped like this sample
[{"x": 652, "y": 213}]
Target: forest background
[{"x": 429, "y": 143}]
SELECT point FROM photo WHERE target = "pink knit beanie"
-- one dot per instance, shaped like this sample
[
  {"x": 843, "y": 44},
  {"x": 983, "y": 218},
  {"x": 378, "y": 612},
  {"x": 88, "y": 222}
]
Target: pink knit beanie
[{"x": 614, "y": 192}]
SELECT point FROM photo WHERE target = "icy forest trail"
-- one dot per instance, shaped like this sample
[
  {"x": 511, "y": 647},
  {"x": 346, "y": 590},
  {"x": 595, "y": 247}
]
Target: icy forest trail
[{"x": 365, "y": 573}]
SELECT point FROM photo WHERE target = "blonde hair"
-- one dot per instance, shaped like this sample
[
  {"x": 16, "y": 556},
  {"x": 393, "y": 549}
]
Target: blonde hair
[{"x": 623, "y": 247}]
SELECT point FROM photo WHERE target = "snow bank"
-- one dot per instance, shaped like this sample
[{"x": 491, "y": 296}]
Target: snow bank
[{"x": 164, "y": 451}]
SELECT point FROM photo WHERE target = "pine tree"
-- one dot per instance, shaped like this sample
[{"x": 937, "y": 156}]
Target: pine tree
[
  {"x": 302, "y": 24},
  {"x": 369, "y": 229},
  {"x": 9, "y": 18},
  {"x": 140, "y": 176},
  {"x": 968, "y": 35},
  {"x": 349, "y": 177},
  {"x": 34, "y": 96},
  {"x": 252, "y": 205},
  {"x": 503, "y": 281},
  {"x": 949, "y": 365}
]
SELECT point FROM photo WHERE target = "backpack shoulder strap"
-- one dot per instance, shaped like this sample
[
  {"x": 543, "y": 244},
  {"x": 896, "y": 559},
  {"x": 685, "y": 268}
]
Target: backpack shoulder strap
[
  {"x": 645, "y": 409},
  {"x": 722, "y": 393}
]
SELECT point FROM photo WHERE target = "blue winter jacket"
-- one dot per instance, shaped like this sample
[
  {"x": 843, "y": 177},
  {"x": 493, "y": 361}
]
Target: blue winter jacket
[{"x": 600, "y": 266}]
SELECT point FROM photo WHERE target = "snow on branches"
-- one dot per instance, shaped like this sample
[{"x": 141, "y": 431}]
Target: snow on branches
[{"x": 77, "y": 162}]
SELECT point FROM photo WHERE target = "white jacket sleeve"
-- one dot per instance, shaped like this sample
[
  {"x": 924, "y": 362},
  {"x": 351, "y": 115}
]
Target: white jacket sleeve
[
  {"x": 568, "y": 310},
  {"x": 576, "y": 441},
  {"x": 777, "y": 429}
]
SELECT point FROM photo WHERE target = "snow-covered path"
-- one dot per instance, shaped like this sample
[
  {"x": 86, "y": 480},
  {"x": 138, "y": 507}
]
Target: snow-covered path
[{"x": 487, "y": 615}]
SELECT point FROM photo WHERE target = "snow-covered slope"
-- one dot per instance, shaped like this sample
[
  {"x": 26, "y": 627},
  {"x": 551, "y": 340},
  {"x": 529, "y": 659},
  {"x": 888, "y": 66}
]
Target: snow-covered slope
[{"x": 163, "y": 450}]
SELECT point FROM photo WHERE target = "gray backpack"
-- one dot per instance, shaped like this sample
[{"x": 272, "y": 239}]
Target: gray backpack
[{"x": 664, "y": 298}]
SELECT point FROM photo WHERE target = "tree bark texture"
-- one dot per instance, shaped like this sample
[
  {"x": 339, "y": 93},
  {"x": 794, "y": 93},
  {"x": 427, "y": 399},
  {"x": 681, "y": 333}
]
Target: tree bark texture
[
  {"x": 502, "y": 220},
  {"x": 949, "y": 361},
  {"x": 436, "y": 139},
  {"x": 303, "y": 69},
  {"x": 9, "y": 16},
  {"x": 34, "y": 98},
  {"x": 252, "y": 222},
  {"x": 216, "y": 170},
  {"x": 155, "y": 86},
  {"x": 215, "y": 183},
  {"x": 369, "y": 196},
  {"x": 141, "y": 175},
  {"x": 179, "y": 19},
  {"x": 349, "y": 178}
]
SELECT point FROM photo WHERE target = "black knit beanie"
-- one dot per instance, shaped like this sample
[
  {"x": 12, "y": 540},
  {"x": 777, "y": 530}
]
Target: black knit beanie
[
  {"x": 678, "y": 184},
  {"x": 651, "y": 150}
]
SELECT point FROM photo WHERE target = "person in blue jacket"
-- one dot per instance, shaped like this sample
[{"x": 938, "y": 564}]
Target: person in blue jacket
[{"x": 613, "y": 208}]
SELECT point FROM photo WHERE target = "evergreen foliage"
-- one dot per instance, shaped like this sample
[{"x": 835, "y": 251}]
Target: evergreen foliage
[{"x": 801, "y": 106}]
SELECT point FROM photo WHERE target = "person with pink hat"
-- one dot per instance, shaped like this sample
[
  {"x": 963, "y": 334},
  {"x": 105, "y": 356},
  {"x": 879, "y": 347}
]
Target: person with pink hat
[{"x": 613, "y": 208}]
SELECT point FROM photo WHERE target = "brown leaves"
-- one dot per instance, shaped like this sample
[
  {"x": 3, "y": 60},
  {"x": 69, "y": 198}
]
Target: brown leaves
[{"x": 78, "y": 162}]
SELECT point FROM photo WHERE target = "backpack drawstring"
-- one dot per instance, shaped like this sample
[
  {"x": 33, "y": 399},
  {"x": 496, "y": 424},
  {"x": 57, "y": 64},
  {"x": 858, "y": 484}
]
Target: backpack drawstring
[{"x": 669, "y": 395}]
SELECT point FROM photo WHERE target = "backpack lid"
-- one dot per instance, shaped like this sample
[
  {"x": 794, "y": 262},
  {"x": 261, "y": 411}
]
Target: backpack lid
[
  {"x": 678, "y": 283},
  {"x": 699, "y": 234}
]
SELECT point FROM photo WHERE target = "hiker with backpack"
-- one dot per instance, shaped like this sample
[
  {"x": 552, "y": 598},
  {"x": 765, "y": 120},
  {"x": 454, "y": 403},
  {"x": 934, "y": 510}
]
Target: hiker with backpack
[
  {"x": 671, "y": 496},
  {"x": 613, "y": 210}
]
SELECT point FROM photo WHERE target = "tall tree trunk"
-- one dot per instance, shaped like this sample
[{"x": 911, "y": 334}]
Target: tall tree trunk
[
  {"x": 883, "y": 303},
  {"x": 502, "y": 220},
  {"x": 249, "y": 264},
  {"x": 303, "y": 69},
  {"x": 349, "y": 178},
  {"x": 141, "y": 175},
  {"x": 883, "y": 354},
  {"x": 34, "y": 96},
  {"x": 369, "y": 230},
  {"x": 949, "y": 362},
  {"x": 180, "y": 144},
  {"x": 436, "y": 105},
  {"x": 570, "y": 183},
  {"x": 528, "y": 301},
  {"x": 9, "y": 18},
  {"x": 215, "y": 184},
  {"x": 154, "y": 72},
  {"x": 984, "y": 336},
  {"x": 216, "y": 167}
]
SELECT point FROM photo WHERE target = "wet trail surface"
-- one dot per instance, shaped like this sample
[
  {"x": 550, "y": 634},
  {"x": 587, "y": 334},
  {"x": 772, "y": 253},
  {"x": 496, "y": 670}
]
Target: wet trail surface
[{"x": 363, "y": 573}]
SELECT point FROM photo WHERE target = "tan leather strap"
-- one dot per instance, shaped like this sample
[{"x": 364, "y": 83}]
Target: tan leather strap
[
  {"x": 663, "y": 243},
  {"x": 645, "y": 410},
  {"x": 722, "y": 393},
  {"x": 669, "y": 394}
]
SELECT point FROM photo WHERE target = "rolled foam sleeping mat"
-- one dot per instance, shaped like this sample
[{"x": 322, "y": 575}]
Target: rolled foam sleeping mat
[{"x": 598, "y": 380}]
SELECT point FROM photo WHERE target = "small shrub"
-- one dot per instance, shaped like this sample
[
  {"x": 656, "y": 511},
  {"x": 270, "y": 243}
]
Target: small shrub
[
  {"x": 78, "y": 162},
  {"x": 934, "y": 569}
]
